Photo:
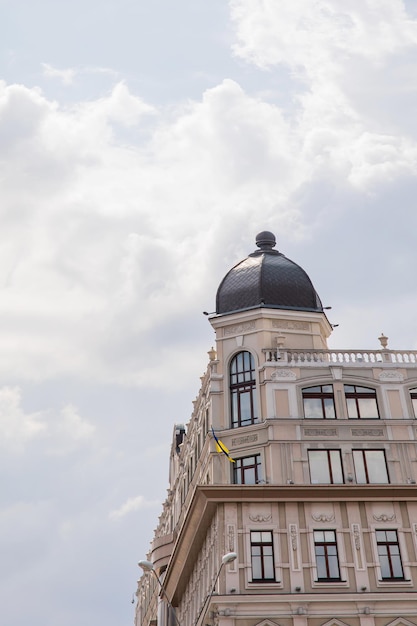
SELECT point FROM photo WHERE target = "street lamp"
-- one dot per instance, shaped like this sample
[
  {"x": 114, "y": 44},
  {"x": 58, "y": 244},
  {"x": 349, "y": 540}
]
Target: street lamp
[
  {"x": 147, "y": 566},
  {"x": 227, "y": 558}
]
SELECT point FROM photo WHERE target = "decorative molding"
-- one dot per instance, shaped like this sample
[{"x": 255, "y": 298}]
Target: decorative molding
[
  {"x": 320, "y": 432},
  {"x": 323, "y": 518},
  {"x": 367, "y": 432},
  {"x": 356, "y": 536},
  {"x": 231, "y": 537},
  {"x": 337, "y": 373},
  {"x": 238, "y": 441},
  {"x": 393, "y": 376},
  {"x": 260, "y": 518},
  {"x": 279, "y": 374},
  {"x": 238, "y": 328},
  {"x": 293, "y": 536},
  {"x": 384, "y": 517},
  {"x": 290, "y": 325}
]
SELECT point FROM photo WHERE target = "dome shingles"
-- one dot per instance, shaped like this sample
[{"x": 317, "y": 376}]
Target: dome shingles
[{"x": 266, "y": 278}]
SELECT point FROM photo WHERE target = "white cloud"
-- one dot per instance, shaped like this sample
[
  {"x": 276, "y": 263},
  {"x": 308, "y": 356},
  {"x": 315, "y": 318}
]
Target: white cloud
[
  {"x": 16, "y": 428},
  {"x": 66, "y": 76},
  {"x": 318, "y": 37},
  {"x": 61, "y": 432},
  {"x": 136, "y": 503}
]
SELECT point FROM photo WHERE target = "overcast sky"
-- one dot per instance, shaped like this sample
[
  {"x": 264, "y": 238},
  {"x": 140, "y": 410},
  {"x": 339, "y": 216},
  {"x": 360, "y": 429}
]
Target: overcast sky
[{"x": 143, "y": 145}]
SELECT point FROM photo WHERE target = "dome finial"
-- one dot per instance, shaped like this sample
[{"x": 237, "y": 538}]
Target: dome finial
[{"x": 266, "y": 240}]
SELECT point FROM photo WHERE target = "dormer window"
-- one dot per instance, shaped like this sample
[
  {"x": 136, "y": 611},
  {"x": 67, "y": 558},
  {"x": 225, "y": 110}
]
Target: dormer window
[
  {"x": 243, "y": 389},
  {"x": 361, "y": 402},
  {"x": 319, "y": 402}
]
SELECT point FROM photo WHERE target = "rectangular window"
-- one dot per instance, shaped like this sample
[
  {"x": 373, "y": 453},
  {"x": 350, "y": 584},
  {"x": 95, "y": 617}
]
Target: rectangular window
[
  {"x": 361, "y": 402},
  {"x": 325, "y": 467},
  {"x": 370, "y": 466},
  {"x": 389, "y": 554},
  {"x": 247, "y": 470},
  {"x": 413, "y": 394},
  {"x": 319, "y": 402},
  {"x": 327, "y": 560},
  {"x": 262, "y": 556}
]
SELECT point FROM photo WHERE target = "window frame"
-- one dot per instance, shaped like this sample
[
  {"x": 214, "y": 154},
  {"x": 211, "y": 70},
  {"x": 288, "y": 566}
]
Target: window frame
[
  {"x": 389, "y": 556},
  {"x": 355, "y": 395},
  {"x": 326, "y": 556},
  {"x": 364, "y": 452},
  {"x": 239, "y": 467},
  {"x": 241, "y": 382},
  {"x": 330, "y": 465},
  {"x": 321, "y": 395},
  {"x": 262, "y": 556}
]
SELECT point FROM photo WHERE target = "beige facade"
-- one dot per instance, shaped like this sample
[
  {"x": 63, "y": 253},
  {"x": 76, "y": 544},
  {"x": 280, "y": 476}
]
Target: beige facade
[{"x": 320, "y": 503}]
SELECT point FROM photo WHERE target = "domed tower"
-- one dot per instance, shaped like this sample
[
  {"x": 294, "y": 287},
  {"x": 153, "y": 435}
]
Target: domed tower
[
  {"x": 267, "y": 313},
  {"x": 266, "y": 278}
]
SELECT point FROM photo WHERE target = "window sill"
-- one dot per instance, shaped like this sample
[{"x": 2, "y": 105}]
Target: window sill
[{"x": 330, "y": 582}]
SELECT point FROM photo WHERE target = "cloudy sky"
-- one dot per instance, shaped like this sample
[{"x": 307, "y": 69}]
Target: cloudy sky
[{"x": 143, "y": 145}]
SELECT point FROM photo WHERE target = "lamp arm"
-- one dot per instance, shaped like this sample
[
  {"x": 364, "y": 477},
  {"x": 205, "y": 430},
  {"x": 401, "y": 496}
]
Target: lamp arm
[
  {"x": 209, "y": 597},
  {"x": 164, "y": 593}
]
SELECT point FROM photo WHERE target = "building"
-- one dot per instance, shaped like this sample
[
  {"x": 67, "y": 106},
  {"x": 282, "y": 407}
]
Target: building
[{"x": 320, "y": 503}]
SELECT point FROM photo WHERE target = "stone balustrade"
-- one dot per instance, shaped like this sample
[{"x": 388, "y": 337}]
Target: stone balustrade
[{"x": 340, "y": 357}]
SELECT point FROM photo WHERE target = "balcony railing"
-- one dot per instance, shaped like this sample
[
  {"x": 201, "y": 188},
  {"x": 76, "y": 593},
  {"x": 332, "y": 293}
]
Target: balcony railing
[{"x": 340, "y": 357}]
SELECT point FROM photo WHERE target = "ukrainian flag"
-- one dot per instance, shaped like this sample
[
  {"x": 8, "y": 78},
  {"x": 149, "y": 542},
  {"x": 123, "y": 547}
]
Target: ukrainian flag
[{"x": 220, "y": 447}]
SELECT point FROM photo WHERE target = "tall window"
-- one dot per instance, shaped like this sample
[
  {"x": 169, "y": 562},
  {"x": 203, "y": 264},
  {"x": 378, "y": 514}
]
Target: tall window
[
  {"x": 243, "y": 389},
  {"x": 327, "y": 560},
  {"x": 413, "y": 394},
  {"x": 370, "y": 466},
  {"x": 361, "y": 402},
  {"x": 247, "y": 470},
  {"x": 262, "y": 556},
  {"x": 319, "y": 402},
  {"x": 325, "y": 467},
  {"x": 389, "y": 554}
]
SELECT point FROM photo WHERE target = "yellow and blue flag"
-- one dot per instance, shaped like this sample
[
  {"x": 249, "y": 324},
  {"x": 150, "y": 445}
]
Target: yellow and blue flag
[{"x": 220, "y": 447}]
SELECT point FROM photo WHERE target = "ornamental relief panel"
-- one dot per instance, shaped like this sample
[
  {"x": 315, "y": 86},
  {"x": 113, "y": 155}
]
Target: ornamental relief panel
[
  {"x": 367, "y": 432},
  {"x": 290, "y": 325},
  {"x": 321, "y": 432},
  {"x": 238, "y": 329},
  {"x": 286, "y": 374},
  {"x": 260, "y": 518},
  {"x": 393, "y": 376},
  {"x": 323, "y": 517},
  {"x": 384, "y": 517}
]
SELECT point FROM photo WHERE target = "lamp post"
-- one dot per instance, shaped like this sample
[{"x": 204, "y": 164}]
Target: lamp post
[
  {"x": 147, "y": 566},
  {"x": 227, "y": 558}
]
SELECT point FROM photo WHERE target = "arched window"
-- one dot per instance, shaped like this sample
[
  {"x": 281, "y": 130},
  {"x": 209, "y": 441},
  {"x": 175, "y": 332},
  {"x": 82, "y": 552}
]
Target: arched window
[{"x": 243, "y": 389}]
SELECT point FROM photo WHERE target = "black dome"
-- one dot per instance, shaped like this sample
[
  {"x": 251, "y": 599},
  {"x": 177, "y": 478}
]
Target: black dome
[{"x": 268, "y": 279}]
